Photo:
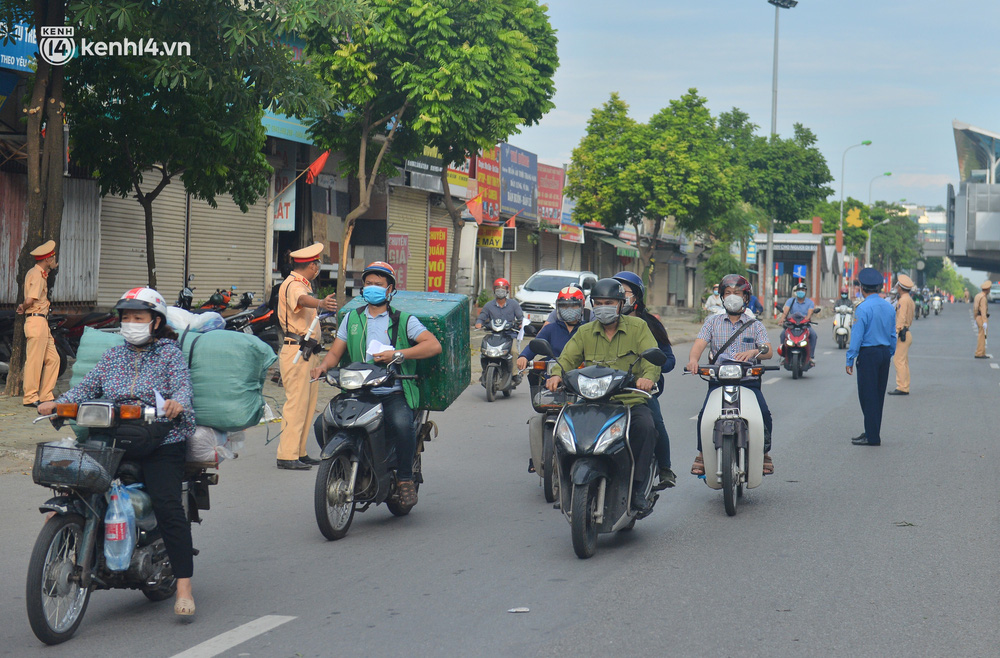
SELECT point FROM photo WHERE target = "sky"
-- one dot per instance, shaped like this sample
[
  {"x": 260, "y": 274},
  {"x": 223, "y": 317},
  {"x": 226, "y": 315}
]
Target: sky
[{"x": 892, "y": 71}]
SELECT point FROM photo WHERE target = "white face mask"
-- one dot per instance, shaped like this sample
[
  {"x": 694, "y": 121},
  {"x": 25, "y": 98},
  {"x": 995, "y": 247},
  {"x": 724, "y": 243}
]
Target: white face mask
[
  {"x": 137, "y": 333},
  {"x": 734, "y": 304}
]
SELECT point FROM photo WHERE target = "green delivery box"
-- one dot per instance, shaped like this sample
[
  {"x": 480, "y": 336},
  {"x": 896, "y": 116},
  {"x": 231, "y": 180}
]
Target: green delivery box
[{"x": 443, "y": 377}]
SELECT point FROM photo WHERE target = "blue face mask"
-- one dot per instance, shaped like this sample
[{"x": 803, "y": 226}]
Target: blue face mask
[
  {"x": 801, "y": 294},
  {"x": 374, "y": 295}
]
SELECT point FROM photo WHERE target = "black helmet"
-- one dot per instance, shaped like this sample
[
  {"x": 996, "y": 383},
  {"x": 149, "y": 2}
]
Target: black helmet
[
  {"x": 608, "y": 289},
  {"x": 738, "y": 282},
  {"x": 800, "y": 286}
]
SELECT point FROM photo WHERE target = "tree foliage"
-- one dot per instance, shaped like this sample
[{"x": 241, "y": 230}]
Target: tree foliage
[
  {"x": 893, "y": 244},
  {"x": 948, "y": 279},
  {"x": 721, "y": 262}
]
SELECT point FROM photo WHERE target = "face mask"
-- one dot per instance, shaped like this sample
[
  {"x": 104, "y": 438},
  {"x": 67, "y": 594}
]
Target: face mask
[
  {"x": 500, "y": 293},
  {"x": 570, "y": 315},
  {"x": 801, "y": 294},
  {"x": 715, "y": 291},
  {"x": 629, "y": 304},
  {"x": 606, "y": 314},
  {"x": 137, "y": 333},
  {"x": 734, "y": 304},
  {"x": 374, "y": 295}
]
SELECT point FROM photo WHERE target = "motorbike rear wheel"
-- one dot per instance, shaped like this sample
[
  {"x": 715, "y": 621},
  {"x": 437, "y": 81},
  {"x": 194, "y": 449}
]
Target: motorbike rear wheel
[
  {"x": 490, "y": 382},
  {"x": 55, "y": 601},
  {"x": 550, "y": 478},
  {"x": 730, "y": 474},
  {"x": 333, "y": 513},
  {"x": 583, "y": 523},
  {"x": 161, "y": 592}
]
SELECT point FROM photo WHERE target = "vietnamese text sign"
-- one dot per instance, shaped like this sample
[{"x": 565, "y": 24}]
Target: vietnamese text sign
[
  {"x": 488, "y": 182},
  {"x": 284, "y": 204},
  {"x": 398, "y": 255},
  {"x": 437, "y": 250},
  {"x": 550, "y": 194},
  {"x": 571, "y": 231},
  {"x": 509, "y": 239},
  {"x": 518, "y": 181},
  {"x": 489, "y": 237}
]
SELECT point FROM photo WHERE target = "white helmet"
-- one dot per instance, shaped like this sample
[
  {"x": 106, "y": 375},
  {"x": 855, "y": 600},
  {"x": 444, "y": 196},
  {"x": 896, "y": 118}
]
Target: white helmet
[{"x": 142, "y": 299}]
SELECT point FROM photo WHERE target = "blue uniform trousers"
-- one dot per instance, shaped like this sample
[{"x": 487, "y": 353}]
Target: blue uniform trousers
[{"x": 873, "y": 376}]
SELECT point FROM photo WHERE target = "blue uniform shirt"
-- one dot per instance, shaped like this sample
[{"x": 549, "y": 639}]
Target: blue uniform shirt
[
  {"x": 557, "y": 333},
  {"x": 874, "y": 324}
]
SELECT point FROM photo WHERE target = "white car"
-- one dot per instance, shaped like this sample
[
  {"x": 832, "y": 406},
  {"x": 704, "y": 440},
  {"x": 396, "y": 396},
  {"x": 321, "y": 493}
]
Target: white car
[
  {"x": 994, "y": 294},
  {"x": 537, "y": 296}
]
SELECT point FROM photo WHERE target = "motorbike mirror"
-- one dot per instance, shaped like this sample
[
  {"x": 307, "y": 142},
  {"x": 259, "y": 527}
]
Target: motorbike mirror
[
  {"x": 190, "y": 277},
  {"x": 655, "y": 356},
  {"x": 541, "y": 346},
  {"x": 333, "y": 376}
]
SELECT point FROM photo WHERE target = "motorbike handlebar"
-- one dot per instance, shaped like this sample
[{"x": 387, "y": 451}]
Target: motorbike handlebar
[{"x": 406, "y": 377}]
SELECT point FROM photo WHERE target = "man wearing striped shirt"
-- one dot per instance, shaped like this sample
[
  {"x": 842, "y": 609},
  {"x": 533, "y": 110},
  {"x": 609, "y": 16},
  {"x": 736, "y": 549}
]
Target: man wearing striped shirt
[{"x": 716, "y": 331}]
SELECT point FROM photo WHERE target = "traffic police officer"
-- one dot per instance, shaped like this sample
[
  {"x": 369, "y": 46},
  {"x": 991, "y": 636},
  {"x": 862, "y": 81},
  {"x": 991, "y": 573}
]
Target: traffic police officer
[
  {"x": 873, "y": 342},
  {"x": 41, "y": 360},
  {"x": 981, "y": 312},
  {"x": 296, "y": 311},
  {"x": 904, "y": 318}
]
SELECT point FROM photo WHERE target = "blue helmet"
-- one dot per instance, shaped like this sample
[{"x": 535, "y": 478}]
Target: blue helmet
[{"x": 633, "y": 281}]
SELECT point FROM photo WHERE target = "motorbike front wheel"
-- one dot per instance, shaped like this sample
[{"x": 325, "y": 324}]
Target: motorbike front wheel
[
  {"x": 730, "y": 474},
  {"x": 55, "y": 600},
  {"x": 583, "y": 523},
  {"x": 333, "y": 513},
  {"x": 490, "y": 382},
  {"x": 550, "y": 478},
  {"x": 796, "y": 366}
]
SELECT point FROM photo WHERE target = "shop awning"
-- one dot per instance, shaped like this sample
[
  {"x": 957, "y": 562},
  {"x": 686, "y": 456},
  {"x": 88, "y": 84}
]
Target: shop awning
[{"x": 622, "y": 248}]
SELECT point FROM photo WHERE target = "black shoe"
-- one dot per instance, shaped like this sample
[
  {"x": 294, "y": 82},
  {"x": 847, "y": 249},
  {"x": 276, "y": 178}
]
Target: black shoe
[
  {"x": 306, "y": 459},
  {"x": 667, "y": 479},
  {"x": 898, "y": 392},
  {"x": 293, "y": 465},
  {"x": 982, "y": 357},
  {"x": 639, "y": 502},
  {"x": 32, "y": 404},
  {"x": 861, "y": 439}
]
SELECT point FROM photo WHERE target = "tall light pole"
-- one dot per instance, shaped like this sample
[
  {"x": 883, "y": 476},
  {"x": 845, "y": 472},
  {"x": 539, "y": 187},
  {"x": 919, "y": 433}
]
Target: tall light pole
[
  {"x": 888, "y": 173},
  {"x": 765, "y": 272},
  {"x": 843, "y": 160},
  {"x": 868, "y": 242}
]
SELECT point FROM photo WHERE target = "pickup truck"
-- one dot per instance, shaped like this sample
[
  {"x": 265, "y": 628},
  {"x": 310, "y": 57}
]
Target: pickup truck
[{"x": 537, "y": 296}]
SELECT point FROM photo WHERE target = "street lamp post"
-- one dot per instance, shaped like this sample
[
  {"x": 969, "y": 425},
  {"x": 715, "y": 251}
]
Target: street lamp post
[
  {"x": 843, "y": 160},
  {"x": 868, "y": 242},
  {"x": 765, "y": 272}
]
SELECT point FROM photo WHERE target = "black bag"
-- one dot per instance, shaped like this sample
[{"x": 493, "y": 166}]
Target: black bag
[{"x": 139, "y": 440}]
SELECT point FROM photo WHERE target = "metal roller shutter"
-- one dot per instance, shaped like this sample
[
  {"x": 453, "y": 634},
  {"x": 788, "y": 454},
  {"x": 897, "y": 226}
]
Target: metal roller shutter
[
  {"x": 227, "y": 247},
  {"x": 408, "y": 214},
  {"x": 522, "y": 261},
  {"x": 123, "y": 245},
  {"x": 571, "y": 257},
  {"x": 549, "y": 251},
  {"x": 81, "y": 242}
]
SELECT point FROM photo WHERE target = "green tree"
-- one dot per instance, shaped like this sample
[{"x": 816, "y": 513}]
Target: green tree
[
  {"x": 721, "y": 262},
  {"x": 894, "y": 244},
  {"x": 948, "y": 279}
]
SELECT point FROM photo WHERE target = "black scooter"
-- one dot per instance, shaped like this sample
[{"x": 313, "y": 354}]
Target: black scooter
[
  {"x": 496, "y": 355},
  {"x": 358, "y": 464}
]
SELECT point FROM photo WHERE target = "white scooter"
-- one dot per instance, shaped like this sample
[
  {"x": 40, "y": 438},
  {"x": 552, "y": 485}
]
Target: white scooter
[
  {"x": 733, "y": 421},
  {"x": 842, "y": 320},
  {"x": 936, "y": 304}
]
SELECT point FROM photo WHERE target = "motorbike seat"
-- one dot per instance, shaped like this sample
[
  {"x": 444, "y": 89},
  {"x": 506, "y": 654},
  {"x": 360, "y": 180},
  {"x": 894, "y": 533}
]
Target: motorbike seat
[{"x": 129, "y": 472}]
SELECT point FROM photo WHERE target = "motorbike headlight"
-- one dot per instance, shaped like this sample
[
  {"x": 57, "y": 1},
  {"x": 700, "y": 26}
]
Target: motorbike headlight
[
  {"x": 351, "y": 380},
  {"x": 610, "y": 436},
  {"x": 789, "y": 342},
  {"x": 804, "y": 343},
  {"x": 593, "y": 387},
  {"x": 493, "y": 351},
  {"x": 730, "y": 371},
  {"x": 95, "y": 414},
  {"x": 564, "y": 435}
]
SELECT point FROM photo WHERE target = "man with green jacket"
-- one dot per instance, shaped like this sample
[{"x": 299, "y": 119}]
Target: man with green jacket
[
  {"x": 377, "y": 333},
  {"x": 616, "y": 341}
]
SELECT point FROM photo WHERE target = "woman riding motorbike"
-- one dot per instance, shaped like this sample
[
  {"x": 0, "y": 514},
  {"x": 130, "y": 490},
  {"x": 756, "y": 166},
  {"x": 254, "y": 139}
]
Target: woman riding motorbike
[
  {"x": 636, "y": 306},
  {"x": 151, "y": 363}
]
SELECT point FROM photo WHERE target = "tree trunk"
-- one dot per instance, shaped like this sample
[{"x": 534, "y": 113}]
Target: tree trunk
[
  {"x": 44, "y": 223},
  {"x": 147, "y": 213},
  {"x": 646, "y": 253},
  {"x": 457, "y": 224}
]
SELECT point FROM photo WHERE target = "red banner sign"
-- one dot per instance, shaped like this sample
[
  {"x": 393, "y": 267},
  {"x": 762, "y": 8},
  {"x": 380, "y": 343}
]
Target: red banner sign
[
  {"x": 437, "y": 251},
  {"x": 488, "y": 181},
  {"x": 398, "y": 255},
  {"x": 550, "y": 194}
]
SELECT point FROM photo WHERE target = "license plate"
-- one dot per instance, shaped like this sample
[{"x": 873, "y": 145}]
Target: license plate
[{"x": 537, "y": 317}]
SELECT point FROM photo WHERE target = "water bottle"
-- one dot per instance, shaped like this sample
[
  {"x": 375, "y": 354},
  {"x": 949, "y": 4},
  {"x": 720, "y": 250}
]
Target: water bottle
[{"x": 119, "y": 540}]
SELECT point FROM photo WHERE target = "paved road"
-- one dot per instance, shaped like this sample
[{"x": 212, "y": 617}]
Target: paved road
[{"x": 847, "y": 551}]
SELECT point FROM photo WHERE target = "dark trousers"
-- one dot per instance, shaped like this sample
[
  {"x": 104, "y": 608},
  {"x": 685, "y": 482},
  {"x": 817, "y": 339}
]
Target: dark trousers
[
  {"x": 642, "y": 438},
  {"x": 162, "y": 475},
  {"x": 873, "y": 376},
  {"x": 753, "y": 385},
  {"x": 398, "y": 418},
  {"x": 662, "y": 449}
]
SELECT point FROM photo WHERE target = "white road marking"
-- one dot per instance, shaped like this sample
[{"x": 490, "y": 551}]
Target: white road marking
[
  {"x": 827, "y": 353},
  {"x": 995, "y": 366},
  {"x": 695, "y": 417},
  {"x": 771, "y": 381},
  {"x": 230, "y": 639}
]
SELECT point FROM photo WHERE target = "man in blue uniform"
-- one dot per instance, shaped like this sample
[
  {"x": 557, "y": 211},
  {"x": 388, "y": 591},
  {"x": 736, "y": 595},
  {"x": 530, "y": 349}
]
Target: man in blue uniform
[{"x": 873, "y": 342}]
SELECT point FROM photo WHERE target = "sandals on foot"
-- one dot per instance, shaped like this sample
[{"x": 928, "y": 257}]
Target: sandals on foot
[
  {"x": 768, "y": 465},
  {"x": 184, "y": 607},
  {"x": 407, "y": 493},
  {"x": 698, "y": 468}
]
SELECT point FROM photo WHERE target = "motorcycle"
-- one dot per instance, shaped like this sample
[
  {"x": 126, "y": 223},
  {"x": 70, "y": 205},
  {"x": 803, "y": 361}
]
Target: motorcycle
[
  {"x": 185, "y": 298},
  {"x": 218, "y": 302},
  {"x": 357, "y": 465},
  {"x": 67, "y": 562},
  {"x": 794, "y": 345},
  {"x": 75, "y": 326},
  {"x": 843, "y": 319},
  {"x": 733, "y": 419},
  {"x": 260, "y": 322},
  {"x": 59, "y": 335},
  {"x": 497, "y": 359},
  {"x": 541, "y": 428},
  {"x": 937, "y": 304},
  {"x": 594, "y": 459}
]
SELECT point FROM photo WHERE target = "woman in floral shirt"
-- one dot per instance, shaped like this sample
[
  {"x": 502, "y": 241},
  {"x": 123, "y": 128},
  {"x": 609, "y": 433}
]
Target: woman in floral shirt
[{"x": 151, "y": 362}]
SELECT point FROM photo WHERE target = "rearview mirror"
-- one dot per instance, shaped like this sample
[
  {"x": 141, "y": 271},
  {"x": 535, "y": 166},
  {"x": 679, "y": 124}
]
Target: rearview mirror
[
  {"x": 541, "y": 347},
  {"x": 654, "y": 355}
]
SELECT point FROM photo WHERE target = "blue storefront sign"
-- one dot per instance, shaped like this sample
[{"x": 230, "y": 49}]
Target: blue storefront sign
[
  {"x": 18, "y": 53},
  {"x": 518, "y": 182}
]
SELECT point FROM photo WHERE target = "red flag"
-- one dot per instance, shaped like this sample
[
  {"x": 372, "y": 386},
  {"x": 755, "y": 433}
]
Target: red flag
[
  {"x": 510, "y": 222},
  {"x": 316, "y": 167},
  {"x": 475, "y": 207}
]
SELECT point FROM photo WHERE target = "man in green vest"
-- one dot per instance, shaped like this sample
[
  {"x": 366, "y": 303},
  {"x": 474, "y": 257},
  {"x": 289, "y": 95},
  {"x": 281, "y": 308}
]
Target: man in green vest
[{"x": 377, "y": 333}]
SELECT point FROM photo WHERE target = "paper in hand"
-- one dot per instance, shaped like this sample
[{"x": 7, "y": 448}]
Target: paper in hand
[
  {"x": 160, "y": 402},
  {"x": 377, "y": 347}
]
